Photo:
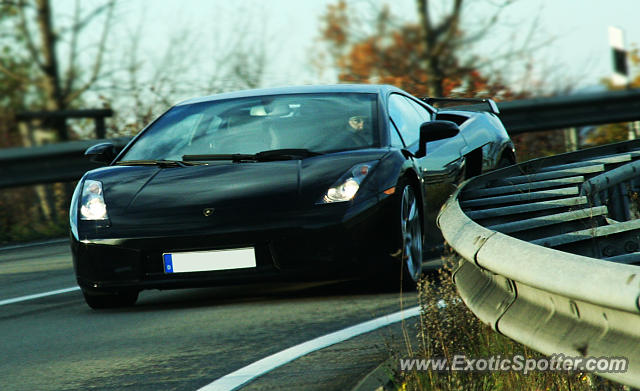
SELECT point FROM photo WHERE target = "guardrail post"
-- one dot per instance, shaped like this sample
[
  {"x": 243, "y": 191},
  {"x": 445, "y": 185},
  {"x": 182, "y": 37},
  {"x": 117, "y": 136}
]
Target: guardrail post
[
  {"x": 571, "y": 139},
  {"x": 58, "y": 119},
  {"x": 633, "y": 130},
  {"x": 100, "y": 129}
]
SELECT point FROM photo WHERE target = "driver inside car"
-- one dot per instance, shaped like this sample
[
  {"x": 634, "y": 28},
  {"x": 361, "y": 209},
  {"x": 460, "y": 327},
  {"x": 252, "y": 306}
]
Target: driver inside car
[{"x": 359, "y": 127}]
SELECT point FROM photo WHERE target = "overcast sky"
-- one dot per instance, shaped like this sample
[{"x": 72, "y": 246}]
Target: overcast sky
[{"x": 577, "y": 29}]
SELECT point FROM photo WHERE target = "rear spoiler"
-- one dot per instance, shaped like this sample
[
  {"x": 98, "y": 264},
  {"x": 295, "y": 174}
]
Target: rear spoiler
[{"x": 493, "y": 107}]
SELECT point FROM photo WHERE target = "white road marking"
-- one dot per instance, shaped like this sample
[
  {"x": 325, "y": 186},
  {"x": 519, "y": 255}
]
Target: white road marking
[
  {"x": 244, "y": 375},
  {"x": 38, "y": 295}
]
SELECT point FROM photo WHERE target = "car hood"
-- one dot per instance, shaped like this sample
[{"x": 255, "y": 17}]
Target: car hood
[{"x": 255, "y": 192}]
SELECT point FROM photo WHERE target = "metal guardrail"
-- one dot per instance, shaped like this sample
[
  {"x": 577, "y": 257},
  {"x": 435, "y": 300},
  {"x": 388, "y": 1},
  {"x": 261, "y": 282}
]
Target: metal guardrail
[
  {"x": 62, "y": 162},
  {"x": 98, "y": 116},
  {"x": 532, "y": 115},
  {"x": 550, "y": 251},
  {"x": 49, "y": 163}
]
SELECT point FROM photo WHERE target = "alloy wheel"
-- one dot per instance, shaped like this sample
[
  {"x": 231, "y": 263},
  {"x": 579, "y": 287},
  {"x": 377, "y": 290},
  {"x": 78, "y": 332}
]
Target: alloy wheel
[{"x": 411, "y": 233}]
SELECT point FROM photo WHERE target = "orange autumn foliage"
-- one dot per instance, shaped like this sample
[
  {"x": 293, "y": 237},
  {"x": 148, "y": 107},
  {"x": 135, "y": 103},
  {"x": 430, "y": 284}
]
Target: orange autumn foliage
[
  {"x": 394, "y": 53},
  {"x": 389, "y": 52}
]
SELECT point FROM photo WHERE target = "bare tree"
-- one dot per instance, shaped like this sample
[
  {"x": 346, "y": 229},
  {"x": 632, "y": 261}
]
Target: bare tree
[
  {"x": 436, "y": 56},
  {"x": 63, "y": 62},
  {"x": 60, "y": 88},
  {"x": 188, "y": 64},
  {"x": 445, "y": 39},
  {"x": 46, "y": 82}
]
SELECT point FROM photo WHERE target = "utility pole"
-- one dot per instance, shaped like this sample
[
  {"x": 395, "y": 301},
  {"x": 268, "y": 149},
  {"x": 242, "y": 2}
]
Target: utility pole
[{"x": 620, "y": 76}]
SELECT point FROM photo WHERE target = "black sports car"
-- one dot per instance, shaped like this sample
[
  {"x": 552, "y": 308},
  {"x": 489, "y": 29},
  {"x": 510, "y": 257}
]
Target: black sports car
[{"x": 276, "y": 183}]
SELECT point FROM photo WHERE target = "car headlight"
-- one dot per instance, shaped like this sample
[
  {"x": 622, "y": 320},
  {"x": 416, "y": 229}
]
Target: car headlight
[
  {"x": 348, "y": 185},
  {"x": 92, "y": 205}
]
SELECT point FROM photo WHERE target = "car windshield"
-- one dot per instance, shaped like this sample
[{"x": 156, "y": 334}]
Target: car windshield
[{"x": 313, "y": 122}]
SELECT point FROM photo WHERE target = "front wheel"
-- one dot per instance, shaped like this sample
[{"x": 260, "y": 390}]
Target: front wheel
[
  {"x": 411, "y": 229},
  {"x": 110, "y": 300},
  {"x": 406, "y": 223}
]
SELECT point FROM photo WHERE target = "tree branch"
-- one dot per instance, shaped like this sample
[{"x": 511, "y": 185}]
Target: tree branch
[
  {"x": 81, "y": 24},
  {"x": 71, "y": 71},
  {"x": 14, "y": 75},
  {"x": 27, "y": 35},
  {"x": 425, "y": 17},
  {"x": 444, "y": 33},
  {"x": 97, "y": 65}
]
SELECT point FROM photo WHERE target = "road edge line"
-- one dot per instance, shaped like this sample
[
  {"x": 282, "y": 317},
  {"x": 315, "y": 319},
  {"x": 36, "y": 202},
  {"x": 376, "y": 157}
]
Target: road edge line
[
  {"x": 38, "y": 295},
  {"x": 246, "y": 374}
]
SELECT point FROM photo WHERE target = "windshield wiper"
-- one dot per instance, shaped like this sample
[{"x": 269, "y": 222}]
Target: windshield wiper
[
  {"x": 264, "y": 156},
  {"x": 160, "y": 163},
  {"x": 287, "y": 153},
  {"x": 236, "y": 157}
]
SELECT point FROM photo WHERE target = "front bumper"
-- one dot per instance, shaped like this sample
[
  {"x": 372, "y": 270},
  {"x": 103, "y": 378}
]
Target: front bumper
[{"x": 338, "y": 242}]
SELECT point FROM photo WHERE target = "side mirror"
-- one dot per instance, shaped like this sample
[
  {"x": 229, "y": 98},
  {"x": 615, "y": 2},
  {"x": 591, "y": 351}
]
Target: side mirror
[
  {"x": 101, "y": 153},
  {"x": 434, "y": 131}
]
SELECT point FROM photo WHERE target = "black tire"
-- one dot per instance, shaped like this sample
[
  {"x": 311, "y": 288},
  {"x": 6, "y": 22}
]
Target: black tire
[
  {"x": 504, "y": 162},
  {"x": 103, "y": 300},
  {"x": 408, "y": 237}
]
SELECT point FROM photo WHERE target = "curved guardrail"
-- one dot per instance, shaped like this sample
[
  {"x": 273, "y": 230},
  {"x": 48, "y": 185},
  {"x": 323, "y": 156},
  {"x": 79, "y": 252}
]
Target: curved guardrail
[{"x": 550, "y": 250}]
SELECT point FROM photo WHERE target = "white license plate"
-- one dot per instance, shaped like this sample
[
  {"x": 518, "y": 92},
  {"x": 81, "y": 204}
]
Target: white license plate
[{"x": 203, "y": 261}]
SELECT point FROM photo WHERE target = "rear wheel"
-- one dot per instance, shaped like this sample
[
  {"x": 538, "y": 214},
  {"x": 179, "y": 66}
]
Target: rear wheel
[
  {"x": 110, "y": 300},
  {"x": 505, "y": 161}
]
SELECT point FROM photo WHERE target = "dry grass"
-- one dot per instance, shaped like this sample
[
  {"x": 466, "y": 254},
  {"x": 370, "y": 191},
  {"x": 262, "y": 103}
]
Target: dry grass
[
  {"x": 22, "y": 218},
  {"x": 447, "y": 327}
]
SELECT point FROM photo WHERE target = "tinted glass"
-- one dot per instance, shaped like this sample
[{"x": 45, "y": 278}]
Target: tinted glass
[
  {"x": 396, "y": 141},
  {"x": 421, "y": 110},
  {"x": 406, "y": 118},
  {"x": 318, "y": 122}
]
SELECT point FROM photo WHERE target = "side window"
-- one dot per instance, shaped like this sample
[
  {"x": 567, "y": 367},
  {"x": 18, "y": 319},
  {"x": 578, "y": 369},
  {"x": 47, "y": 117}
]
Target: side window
[
  {"x": 406, "y": 118},
  {"x": 396, "y": 141},
  {"x": 422, "y": 111}
]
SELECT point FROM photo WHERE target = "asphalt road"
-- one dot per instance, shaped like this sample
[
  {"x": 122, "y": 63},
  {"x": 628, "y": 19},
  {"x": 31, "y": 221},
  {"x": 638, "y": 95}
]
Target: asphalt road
[{"x": 181, "y": 339}]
